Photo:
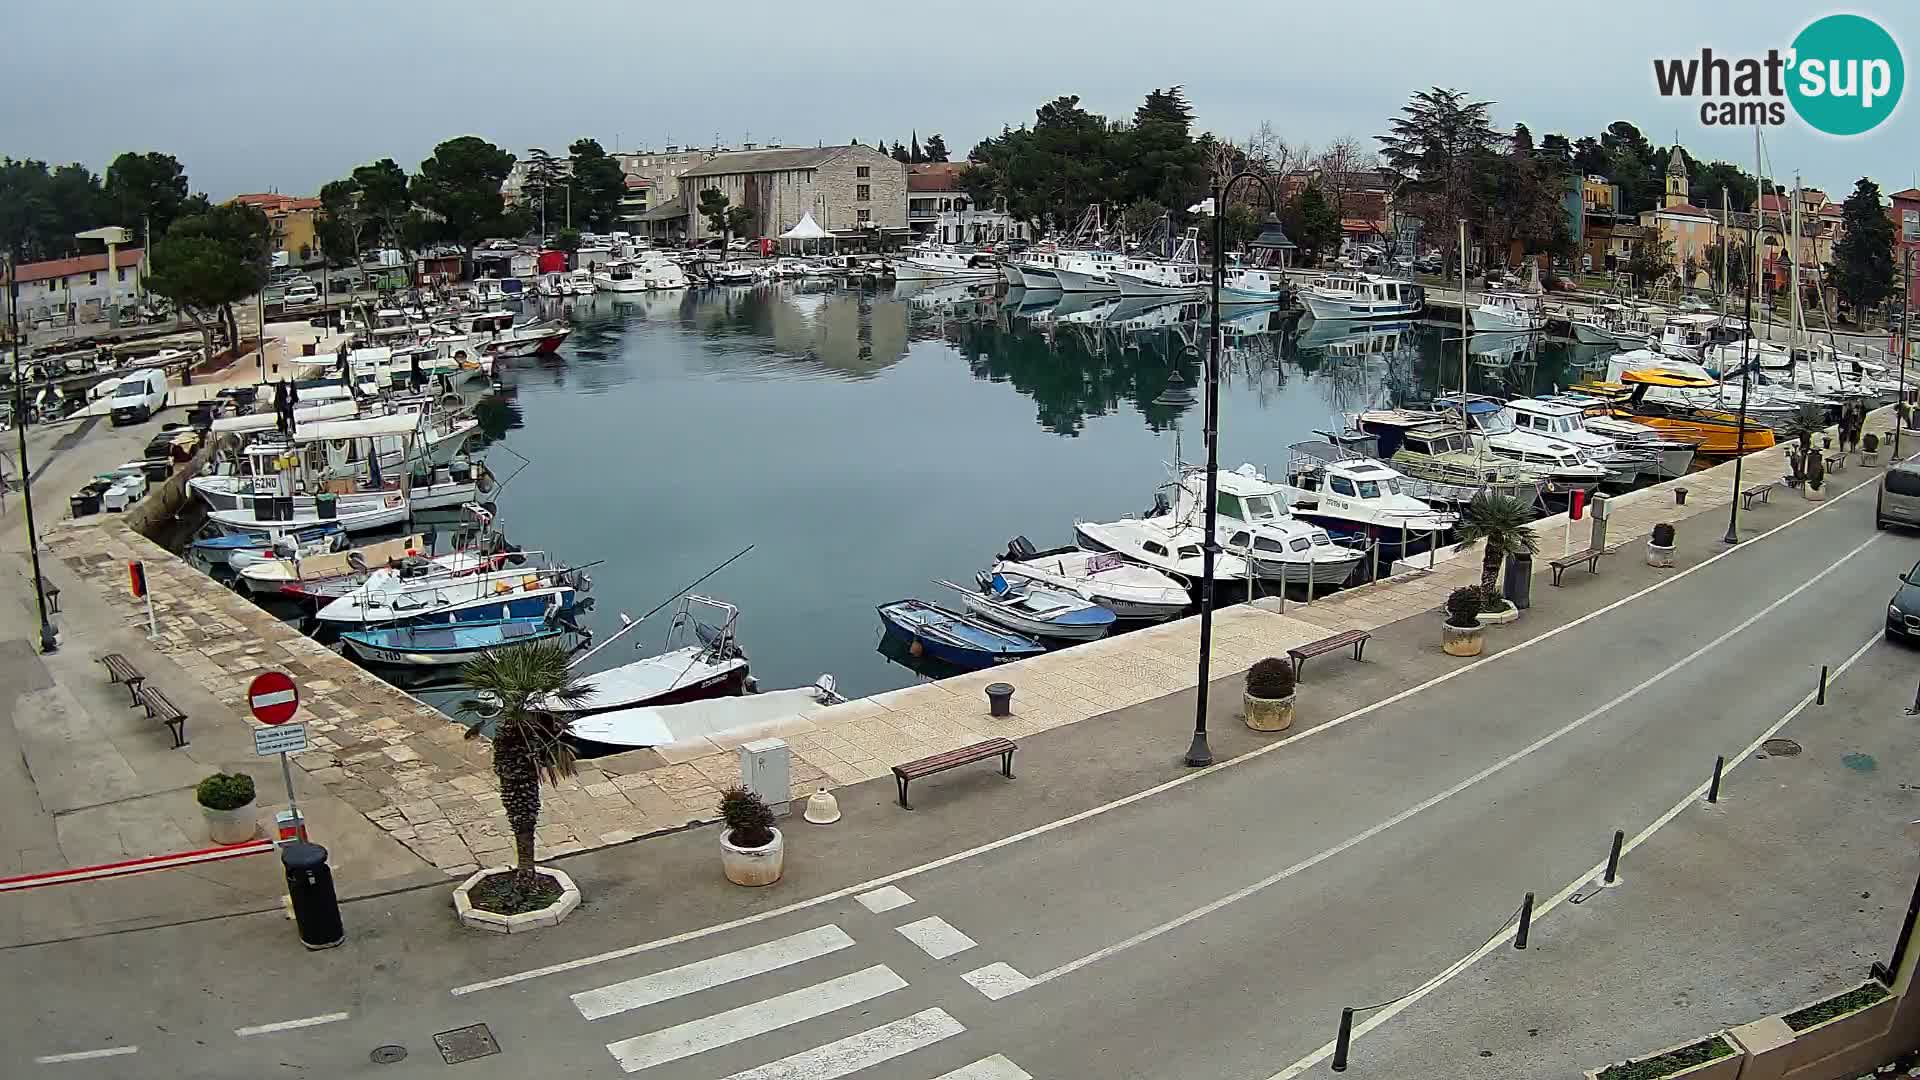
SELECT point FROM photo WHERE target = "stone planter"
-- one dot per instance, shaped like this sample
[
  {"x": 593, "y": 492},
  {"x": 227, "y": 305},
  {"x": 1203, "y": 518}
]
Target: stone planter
[
  {"x": 1268, "y": 714},
  {"x": 1724, "y": 1067},
  {"x": 526, "y": 920},
  {"x": 235, "y": 826},
  {"x": 1815, "y": 494},
  {"x": 1869, "y": 457},
  {"x": 1507, "y": 614},
  {"x": 1661, "y": 557},
  {"x": 752, "y": 866},
  {"x": 1462, "y": 640}
]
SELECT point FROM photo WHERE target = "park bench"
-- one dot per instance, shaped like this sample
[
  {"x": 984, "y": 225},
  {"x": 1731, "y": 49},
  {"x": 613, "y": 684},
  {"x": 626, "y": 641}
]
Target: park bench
[
  {"x": 165, "y": 711},
  {"x": 1301, "y": 653},
  {"x": 1591, "y": 557},
  {"x": 121, "y": 670},
  {"x": 1756, "y": 493},
  {"x": 953, "y": 759},
  {"x": 1837, "y": 462}
]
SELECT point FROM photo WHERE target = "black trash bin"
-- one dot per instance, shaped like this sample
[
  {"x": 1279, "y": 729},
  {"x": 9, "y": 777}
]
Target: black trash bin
[
  {"x": 326, "y": 505},
  {"x": 1518, "y": 582},
  {"x": 283, "y": 505},
  {"x": 316, "y": 911}
]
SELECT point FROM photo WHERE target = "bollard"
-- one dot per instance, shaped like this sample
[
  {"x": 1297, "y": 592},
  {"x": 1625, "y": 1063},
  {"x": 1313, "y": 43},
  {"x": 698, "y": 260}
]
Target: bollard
[
  {"x": 1679, "y": 496},
  {"x": 1915, "y": 711},
  {"x": 1526, "y": 922},
  {"x": 1821, "y": 698},
  {"x": 1341, "y": 1041},
  {"x": 316, "y": 910},
  {"x": 1613, "y": 858},
  {"x": 999, "y": 699},
  {"x": 1713, "y": 790}
]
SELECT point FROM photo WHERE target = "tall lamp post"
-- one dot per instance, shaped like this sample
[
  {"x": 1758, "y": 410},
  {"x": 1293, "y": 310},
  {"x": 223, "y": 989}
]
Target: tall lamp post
[
  {"x": 1199, "y": 754},
  {"x": 49, "y": 642},
  {"x": 1740, "y": 430}
]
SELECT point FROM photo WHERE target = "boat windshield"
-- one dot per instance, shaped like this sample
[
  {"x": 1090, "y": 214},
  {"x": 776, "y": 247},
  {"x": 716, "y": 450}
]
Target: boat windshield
[
  {"x": 1261, "y": 508},
  {"x": 1373, "y": 489}
]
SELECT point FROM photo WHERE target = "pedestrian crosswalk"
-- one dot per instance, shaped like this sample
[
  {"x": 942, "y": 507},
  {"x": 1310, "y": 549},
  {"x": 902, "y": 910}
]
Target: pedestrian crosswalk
[{"x": 871, "y": 987}]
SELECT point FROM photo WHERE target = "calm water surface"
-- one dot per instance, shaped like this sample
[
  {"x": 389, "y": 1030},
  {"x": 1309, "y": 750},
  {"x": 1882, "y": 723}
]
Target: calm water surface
[{"x": 870, "y": 442}]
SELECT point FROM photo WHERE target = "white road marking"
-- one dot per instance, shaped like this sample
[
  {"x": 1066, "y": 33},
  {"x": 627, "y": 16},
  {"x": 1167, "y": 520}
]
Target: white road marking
[
  {"x": 997, "y": 981},
  {"x": 753, "y": 1019},
  {"x": 1431, "y": 801},
  {"x": 1188, "y": 777},
  {"x": 289, "y": 1025},
  {"x": 86, "y": 1055},
  {"x": 996, "y": 1067},
  {"x": 1581, "y": 881},
  {"x": 886, "y": 899},
  {"x": 706, "y": 974},
  {"x": 846, "y": 1056},
  {"x": 936, "y": 937}
]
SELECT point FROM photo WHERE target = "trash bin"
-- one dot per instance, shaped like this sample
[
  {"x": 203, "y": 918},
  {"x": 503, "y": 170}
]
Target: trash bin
[
  {"x": 460, "y": 471},
  {"x": 327, "y": 505},
  {"x": 266, "y": 508},
  {"x": 316, "y": 910},
  {"x": 284, "y": 507},
  {"x": 1518, "y": 582},
  {"x": 999, "y": 699},
  {"x": 84, "y": 502}
]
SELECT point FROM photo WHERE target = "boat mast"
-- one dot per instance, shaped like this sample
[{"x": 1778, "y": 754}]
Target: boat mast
[
  {"x": 1796, "y": 332},
  {"x": 1466, "y": 426},
  {"x": 1724, "y": 284}
]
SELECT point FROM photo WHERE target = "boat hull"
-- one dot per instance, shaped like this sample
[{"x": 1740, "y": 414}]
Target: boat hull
[
  {"x": 1037, "y": 628},
  {"x": 1325, "y": 307},
  {"x": 1012, "y": 275},
  {"x": 1589, "y": 334},
  {"x": 1486, "y": 318},
  {"x": 364, "y": 644},
  {"x": 1075, "y": 281},
  {"x": 901, "y": 622},
  {"x": 1133, "y": 285},
  {"x": 907, "y": 270}
]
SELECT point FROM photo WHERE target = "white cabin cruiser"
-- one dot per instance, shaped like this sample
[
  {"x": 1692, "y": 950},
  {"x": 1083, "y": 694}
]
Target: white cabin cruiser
[
  {"x": 1624, "y": 462},
  {"x": 1362, "y": 296},
  {"x": 1252, "y": 520},
  {"x": 1568, "y": 466},
  {"x": 1128, "y": 589},
  {"x": 1360, "y": 497},
  {"x": 942, "y": 263},
  {"x": 645, "y": 274},
  {"x": 1162, "y": 545},
  {"x": 1509, "y": 311}
]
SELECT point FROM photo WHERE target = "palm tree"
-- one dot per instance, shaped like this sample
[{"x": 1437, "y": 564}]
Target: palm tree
[
  {"x": 1501, "y": 521},
  {"x": 516, "y": 688}
]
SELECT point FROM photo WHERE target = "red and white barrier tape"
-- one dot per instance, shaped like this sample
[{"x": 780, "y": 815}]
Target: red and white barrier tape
[{"x": 134, "y": 866}]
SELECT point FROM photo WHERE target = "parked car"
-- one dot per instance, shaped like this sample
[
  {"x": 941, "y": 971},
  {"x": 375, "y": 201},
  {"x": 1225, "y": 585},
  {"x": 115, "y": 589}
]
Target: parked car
[
  {"x": 1903, "y": 611},
  {"x": 740, "y": 244},
  {"x": 303, "y": 292},
  {"x": 138, "y": 397}
]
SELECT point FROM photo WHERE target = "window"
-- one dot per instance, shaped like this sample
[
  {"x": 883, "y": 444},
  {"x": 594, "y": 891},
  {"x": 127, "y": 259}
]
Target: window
[
  {"x": 866, "y": 215},
  {"x": 1341, "y": 485},
  {"x": 123, "y": 273},
  {"x": 1369, "y": 489},
  {"x": 863, "y": 193},
  {"x": 1154, "y": 548},
  {"x": 1239, "y": 540},
  {"x": 93, "y": 277},
  {"x": 1903, "y": 482},
  {"x": 1300, "y": 544},
  {"x": 862, "y": 171},
  {"x": 1228, "y": 506},
  {"x": 1260, "y": 508}
]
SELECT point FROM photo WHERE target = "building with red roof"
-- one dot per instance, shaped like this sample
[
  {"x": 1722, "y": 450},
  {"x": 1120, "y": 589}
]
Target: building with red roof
[{"x": 79, "y": 289}]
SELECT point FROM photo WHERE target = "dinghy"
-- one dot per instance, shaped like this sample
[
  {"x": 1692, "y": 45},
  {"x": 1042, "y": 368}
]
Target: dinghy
[
  {"x": 961, "y": 640},
  {"x": 441, "y": 646},
  {"x": 736, "y": 717},
  {"x": 1034, "y": 610},
  {"x": 1127, "y": 589}
]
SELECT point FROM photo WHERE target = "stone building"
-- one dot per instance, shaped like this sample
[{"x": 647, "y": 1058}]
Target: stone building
[
  {"x": 852, "y": 191},
  {"x": 82, "y": 289},
  {"x": 1690, "y": 230}
]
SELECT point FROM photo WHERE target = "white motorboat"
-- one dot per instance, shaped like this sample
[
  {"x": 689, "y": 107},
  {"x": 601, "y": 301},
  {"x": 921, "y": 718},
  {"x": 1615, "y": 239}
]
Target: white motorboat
[
  {"x": 932, "y": 263},
  {"x": 1254, "y": 286},
  {"x": 1674, "y": 457},
  {"x": 1162, "y": 545},
  {"x": 1176, "y": 277},
  {"x": 1034, "y": 610},
  {"x": 1558, "y": 420},
  {"x": 1686, "y": 337},
  {"x": 1509, "y": 311},
  {"x": 736, "y": 717},
  {"x": 1088, "y": 271},
  {"x": 392, "y": 510},
  {"x": 392, "y": 595},
  {"x": 551, "y": 285},
  {"x": 1360, "y": 497},
  {"x": 1128, "y": 589},
  {"x": 499, "y": 332},
  {"x": 646, "y": 274},
  {"x": 1251, "y": 520},
  {"x": 577, "y": 283},
  {"x": 487, "y": 291},
  {"x": 701, "y": 660},
  {"x": 1039, "y": 268},
  {"x": 1362, "y": 296},
  {"x": 1569, "y": 466}
]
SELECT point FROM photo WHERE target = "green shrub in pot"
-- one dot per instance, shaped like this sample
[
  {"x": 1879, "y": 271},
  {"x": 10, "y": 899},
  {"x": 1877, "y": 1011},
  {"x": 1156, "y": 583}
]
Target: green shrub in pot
[{"x": 225, "y": 791}]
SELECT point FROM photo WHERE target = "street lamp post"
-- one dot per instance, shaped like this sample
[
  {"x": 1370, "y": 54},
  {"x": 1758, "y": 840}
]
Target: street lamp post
[
  {"x": 1740, "y": 430},
  {"x": 49, "y": 641},
  {"x": 1199, "y": 754}
]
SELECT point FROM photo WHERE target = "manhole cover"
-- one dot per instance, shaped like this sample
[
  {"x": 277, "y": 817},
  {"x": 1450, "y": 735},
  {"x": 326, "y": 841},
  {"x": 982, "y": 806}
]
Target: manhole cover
[
  {"x": 465, "y": 1044},
  {"x": 1780, "y": 747},
  {"x": 387, "y": 1055}
]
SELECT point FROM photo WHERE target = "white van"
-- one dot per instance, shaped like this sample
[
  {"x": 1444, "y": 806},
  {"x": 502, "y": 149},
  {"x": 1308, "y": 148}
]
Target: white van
[{"x": 139, "y": 395}]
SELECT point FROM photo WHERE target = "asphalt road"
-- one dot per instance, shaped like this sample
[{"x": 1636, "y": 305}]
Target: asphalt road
[{"x": 1212, "y": 928}]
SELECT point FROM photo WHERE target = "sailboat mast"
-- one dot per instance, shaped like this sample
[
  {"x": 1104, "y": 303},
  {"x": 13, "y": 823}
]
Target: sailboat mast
[
  {"x": 1796, "y": 330},
  {"x": 1466, "y": 425},
  {"x": 1724, "y": 222}
]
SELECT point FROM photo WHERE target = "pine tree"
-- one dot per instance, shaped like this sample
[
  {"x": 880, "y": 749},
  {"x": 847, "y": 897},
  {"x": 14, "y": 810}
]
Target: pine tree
[
  {"x": 914, "y": 156},
  {"x": 1863, "y": 259}
]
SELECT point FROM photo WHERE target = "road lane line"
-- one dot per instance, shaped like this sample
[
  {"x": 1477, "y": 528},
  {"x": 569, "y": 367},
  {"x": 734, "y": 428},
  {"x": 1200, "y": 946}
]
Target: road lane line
[
  {"x": 1188, "y": 776},
  {"x": 289, "y": 1025},
  {"x": 883, "y": 900},
  {"x": 1431, "y": 801},
  {"x": 1584, "y": 880},
  {"x": 86, "y": 1055},
  {"x": 844, "y": 1057},
  {"x": 996, "y": 1067},
  {"x": 705, "y": 974},
  {"x": 936, "y": 937},
  {"x": 754, "y": 1019}
]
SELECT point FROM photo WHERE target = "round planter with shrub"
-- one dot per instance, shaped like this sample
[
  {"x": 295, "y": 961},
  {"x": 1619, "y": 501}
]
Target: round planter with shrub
[
  {"x": 1269, "y": 697},
  {"x": 1462, "y": 634},
  {"x": 1660, "y": 546},
  {"x": 1496, "y": 610},
  {"x": 752, "y": 851},
  {"x": 226, "y": 799},
  {"x": 1869, "y": 449}
]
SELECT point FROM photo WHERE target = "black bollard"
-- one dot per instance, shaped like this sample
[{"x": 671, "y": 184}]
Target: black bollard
[
  {"x": 1613, "y": 858},
  {"x": 1713, "y": 790},
  {"x": 1822, "y": 698},
  {"x": 1342, "y": 1040},
  {"x": 316, "y": 911},
  {"x": 1526, "y": 922}
]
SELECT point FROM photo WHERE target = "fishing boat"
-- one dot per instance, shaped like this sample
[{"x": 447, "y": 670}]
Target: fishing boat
[
  {"x": 663, "y": 725},
  {"x": 1362, "y": 296},
  {"x": 1360, "y": 498},
  {"x": 1128, "y": 589},
  {"x": 1252, "y": 520},
  {"x": 701, "y": 659},
  {"x": 1438, "y": 461},
  {"x": 1253, "y": 285},
  {"x": 217, "y": 548},
  {"x": 1034, "y": 610},
  {"x": 443, "y": 646},
  {"x": 1509, "y": 311},
  {"x": 1088, "y": 271},
  {"x": 389, "y": 595},
  {"x": 1568, "y": 466},
  {"x": 963, "y": 641},
  {"x": 1038, "y": 268},
  {"x": 1162, "y": 545},
  {"x": 1178, "y": 276},
  {"x": 931, "y": 263}
]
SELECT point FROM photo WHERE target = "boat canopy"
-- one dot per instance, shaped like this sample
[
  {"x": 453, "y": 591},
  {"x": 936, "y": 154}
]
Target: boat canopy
[
  {"x": 239, "y": 425},
  {"x": 1656, "y": 377},
  {"x": 370, "y": 427}
]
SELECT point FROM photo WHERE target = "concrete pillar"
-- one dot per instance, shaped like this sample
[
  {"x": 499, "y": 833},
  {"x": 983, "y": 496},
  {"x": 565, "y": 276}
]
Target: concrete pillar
[{"x": 113, "y": 302}]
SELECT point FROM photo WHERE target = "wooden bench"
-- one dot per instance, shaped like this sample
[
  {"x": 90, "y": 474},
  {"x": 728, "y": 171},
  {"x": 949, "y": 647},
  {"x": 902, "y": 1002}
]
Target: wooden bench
[
  {"x": 1837, "y": 462},
  {"x": 1591, "y": 557},
  {"x": 1756, "y": 493},
  {"x": 1356, "y": 638},
  {"x": 953, "y": 759},
  {"x": 120, "y": 670},
  {"x": 159, "y": 708}
]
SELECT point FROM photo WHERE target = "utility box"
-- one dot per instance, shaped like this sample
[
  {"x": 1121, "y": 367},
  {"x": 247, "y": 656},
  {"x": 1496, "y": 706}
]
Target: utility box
[
  {"x": 1517, "y": 585},
  {"x": 1602, "y": 510},
  {"x": 765, "y": 771}
]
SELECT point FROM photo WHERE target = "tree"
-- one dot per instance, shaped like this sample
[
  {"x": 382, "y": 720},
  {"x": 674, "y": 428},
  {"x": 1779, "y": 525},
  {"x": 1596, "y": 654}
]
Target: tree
[
  {"x": 543, "y": 172},
  {"x": 713, "y": 206},
  {"x": 568, "y": 240},
  {"x": 739, "y": 221},
  {"x": 341, "y": 222},
  {"x": 598, "y": 186},
  {"x": 1863, "y": 259},
  {"x": 1312, "y": 221},
  {"x": 1437, "y": 140},
  {"x": 1523, "y": 199},
  {"x": 1338, "y": 167},
  {"x": 520, "y": 688},
  {"x": 1649, "y": 260},
  {"x": 146, "y": 192},
  {"x": 1735, "y": 256},
  {"x": 1690, "y": 272},
  {"x": 1158, "y": 158},
  {"x": 460, "y": 186},
  {"x": 914, "y": 156},
  {"x": 1501, "y": 521},
  {"x": 208, "y": 262},
  {"x": 41, "y": 209},
  {"x": 936, "y": 148},
  {"x": 899, "y": 153},
  {"x": 386, "y": 200}
]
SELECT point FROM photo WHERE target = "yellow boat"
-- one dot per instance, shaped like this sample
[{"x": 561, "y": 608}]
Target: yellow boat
[{"x": 1716, "y": 430}]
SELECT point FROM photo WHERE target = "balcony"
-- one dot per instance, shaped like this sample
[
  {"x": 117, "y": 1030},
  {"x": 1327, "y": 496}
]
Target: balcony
[{"x": 922, "y": 215}]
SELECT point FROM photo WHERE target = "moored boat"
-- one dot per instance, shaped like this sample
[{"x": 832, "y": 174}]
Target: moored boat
[
  {"x": 961, "y": 640},
  {"x": 1034, "y": 610},
  {"x": 1127, "y": 589},
  {"x": 452, "y": 644}
]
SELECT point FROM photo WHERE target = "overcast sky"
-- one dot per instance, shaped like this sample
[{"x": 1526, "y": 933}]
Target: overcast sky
[{"x": 253, "y": 96}]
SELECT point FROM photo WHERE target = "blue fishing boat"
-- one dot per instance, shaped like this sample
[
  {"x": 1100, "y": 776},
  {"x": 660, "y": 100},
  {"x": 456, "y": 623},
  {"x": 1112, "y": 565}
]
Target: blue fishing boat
[
  {"x": 437, "y": 646},
  {"x": 218, "y": 549},
  {"x": 960, "y": 640}
]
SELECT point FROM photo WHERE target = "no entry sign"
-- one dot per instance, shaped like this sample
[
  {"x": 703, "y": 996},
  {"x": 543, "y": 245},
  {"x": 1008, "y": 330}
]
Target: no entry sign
[{"x": 273, "y": 697}]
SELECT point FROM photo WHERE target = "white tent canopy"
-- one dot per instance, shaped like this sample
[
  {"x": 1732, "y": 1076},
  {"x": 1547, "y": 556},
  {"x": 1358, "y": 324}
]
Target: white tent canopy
[{"x": 806, "y": 229}]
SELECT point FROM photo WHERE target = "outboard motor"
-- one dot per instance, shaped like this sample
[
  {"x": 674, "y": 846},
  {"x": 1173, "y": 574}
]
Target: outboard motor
[
  {"x": 1021, "y": 549},
  {"x": 984, "y": 580}
]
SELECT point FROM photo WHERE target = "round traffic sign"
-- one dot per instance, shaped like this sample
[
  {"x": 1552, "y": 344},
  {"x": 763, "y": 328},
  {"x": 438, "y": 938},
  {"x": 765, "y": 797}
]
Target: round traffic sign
[{"x": 273, "y": 697}]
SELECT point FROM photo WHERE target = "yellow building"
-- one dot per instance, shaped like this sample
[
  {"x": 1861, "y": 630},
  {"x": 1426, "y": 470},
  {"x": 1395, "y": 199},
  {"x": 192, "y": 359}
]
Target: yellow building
[
  {"x": 291, "y": 220},
  {"x": 1687, "y": 228}
]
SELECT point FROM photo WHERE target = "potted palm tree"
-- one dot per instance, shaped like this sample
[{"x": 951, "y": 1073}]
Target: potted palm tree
[
  {"x": 1660, "y": 546},
  {"x": 1501, "y": 521},
  {"x": 752, "y": 851},
  {"x": 226, "y": 800},
  {"x": 518, "y": 691},
  {"x": 1269, "y": 697},
  {"x": 1462, "y": 634}
]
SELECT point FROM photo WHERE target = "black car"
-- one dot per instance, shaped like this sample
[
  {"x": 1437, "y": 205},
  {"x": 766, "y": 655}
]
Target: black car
[{"x": 1903, "y": 611}]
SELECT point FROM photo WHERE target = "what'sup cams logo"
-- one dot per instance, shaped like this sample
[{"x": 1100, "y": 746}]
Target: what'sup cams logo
[{"x": 1842, "y": 75}]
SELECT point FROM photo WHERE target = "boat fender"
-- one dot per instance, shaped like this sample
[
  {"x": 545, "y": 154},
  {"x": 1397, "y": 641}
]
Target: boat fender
[{"x": 916, "y": 648}]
